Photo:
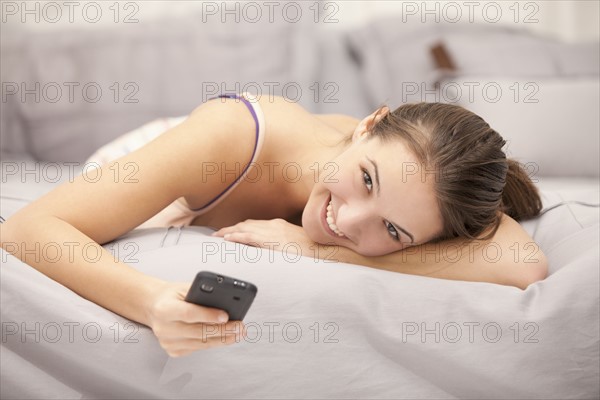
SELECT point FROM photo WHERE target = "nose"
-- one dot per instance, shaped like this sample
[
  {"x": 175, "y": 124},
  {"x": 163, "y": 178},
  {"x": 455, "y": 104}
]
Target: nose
[{"x": 352, "y": 219}]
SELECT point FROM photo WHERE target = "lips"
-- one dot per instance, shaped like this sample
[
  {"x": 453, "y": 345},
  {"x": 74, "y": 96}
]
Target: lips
[
  {"x": 324, "y": 221},
  {"x": 324, "y": 217}
]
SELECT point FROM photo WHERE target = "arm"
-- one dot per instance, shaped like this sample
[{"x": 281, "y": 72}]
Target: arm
[
  {"x": 510, "y": 257},
  {"x": 84, "y": 213}
]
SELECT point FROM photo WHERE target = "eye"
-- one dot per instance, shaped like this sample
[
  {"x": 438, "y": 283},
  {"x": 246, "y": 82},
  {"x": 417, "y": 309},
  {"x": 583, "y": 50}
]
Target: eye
[
  {"x": 367, "y": 180},
  {"x": 389, "y": 227},
  {"x": 392, "y": 231}
]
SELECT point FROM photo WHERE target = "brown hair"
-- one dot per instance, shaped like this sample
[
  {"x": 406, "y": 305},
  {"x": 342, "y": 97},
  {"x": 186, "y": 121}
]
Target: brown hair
[{"x": 474, "y": 180}]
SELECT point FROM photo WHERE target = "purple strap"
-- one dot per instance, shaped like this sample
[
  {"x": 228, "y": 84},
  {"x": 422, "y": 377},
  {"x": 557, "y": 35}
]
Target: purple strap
[{"x": 247, "y": 103}]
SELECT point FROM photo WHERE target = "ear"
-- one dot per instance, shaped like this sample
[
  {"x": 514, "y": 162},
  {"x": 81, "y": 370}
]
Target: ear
[{"x": 363, "y": 129}]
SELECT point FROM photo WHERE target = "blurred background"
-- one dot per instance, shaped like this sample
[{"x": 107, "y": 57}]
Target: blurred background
[
  {"x": 77, "y": 74},
  {"x": 571, "y": 20}
]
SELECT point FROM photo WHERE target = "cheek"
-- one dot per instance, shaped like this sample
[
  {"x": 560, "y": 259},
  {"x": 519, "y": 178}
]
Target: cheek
[
  {"x": 374, "y": 241},
  {"x": 373, "y": 247},
  {"x": 311, "y": 214}
]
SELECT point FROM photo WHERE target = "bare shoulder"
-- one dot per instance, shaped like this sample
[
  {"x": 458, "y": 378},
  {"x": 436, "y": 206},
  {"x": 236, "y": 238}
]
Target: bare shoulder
[
  {"x": 290, "y": 120},
  {"x": 281, "y": 112},
  {"x": 166, "y": 168}
]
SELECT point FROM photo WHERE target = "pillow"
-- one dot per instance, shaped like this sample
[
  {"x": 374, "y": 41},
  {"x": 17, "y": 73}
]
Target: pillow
[
  {"x": 396, "y": 62},
  {"x": 158, "y": 69},
  {"x": 577, "y": 59},
  {"x": 341, "y": 89},
  {"x": 568, "y": 224},
  {"x": 518, "y": 53},
  {"x": 132, "y": 141},
  {"x": 348, "y": 330},
  {"x": 548, "y": 123}
]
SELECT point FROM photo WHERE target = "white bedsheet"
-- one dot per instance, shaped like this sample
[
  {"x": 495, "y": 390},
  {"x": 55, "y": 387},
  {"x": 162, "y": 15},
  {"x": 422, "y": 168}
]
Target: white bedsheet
[{"x": 326, "y": 330}]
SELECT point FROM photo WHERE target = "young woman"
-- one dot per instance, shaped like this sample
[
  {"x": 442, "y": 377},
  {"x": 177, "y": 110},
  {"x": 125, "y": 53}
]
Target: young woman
[{"x": 407, "y": 191}]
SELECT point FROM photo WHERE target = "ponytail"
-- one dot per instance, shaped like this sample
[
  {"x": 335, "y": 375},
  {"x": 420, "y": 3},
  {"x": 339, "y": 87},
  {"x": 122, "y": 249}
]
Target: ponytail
[{"x": 520, "y": 197}]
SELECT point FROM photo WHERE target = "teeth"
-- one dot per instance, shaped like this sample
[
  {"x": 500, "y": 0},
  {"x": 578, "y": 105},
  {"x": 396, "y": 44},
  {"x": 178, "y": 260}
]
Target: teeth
[{"x": 331, "y": 221}]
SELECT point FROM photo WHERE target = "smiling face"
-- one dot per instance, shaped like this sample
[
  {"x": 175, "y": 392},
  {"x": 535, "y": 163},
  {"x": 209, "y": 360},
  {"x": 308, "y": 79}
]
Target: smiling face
[{"x": 376, "y": 202}]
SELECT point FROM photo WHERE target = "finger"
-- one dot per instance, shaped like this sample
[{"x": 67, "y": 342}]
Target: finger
[
  {"x": 243, "y": 238},
  {"x": 237, "y": 236},
  {"x": 220, "y": 232},
  {"x": 194, "y": 313},
  {"x": 248, "y": 239},
  {"x": 175, "y": 331},
  {"x": 187, "y": 346},
  {"x": 206, "y": 332},
  {"x": 227, "y": 229}
]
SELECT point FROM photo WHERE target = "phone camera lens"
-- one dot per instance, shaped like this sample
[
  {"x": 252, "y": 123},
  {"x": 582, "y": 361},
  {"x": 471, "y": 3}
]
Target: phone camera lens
[
  {"x": 219, "y": 279},
  {"x": 205, "y": 287},
  {"x": 239, "y": 284}
]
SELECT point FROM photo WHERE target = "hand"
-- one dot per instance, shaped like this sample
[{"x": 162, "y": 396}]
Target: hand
[
  {"x": 182, "y": 327},
  {"x": 272, "y": 234},
  {"x": 277, "y": 234}
]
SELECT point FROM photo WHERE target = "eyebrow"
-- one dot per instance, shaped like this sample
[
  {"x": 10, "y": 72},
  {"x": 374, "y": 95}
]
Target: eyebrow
[{"x": 407, "y": 233}]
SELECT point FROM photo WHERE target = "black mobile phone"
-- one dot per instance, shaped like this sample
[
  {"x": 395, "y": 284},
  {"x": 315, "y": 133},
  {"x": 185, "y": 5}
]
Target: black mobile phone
[{"x": 219, "y": 291}]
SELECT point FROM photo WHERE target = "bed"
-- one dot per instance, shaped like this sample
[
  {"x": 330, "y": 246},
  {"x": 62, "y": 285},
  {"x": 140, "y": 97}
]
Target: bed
[
  {"x": 316, "y": 329},
  {"x": 319, "y": 329}
]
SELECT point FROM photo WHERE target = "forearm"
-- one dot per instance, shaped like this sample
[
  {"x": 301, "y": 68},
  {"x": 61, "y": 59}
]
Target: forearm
[
  {"x": 414, "y": 261},
  {"x": 494, "y": 261},
  {"x": 66, "y": 255}
]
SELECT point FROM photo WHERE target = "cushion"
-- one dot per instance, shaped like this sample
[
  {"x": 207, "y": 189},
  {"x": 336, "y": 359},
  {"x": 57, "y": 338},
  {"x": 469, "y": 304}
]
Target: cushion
[
  {"x": 162, "y": 68},
  {"x": 548, "y": 123},
  {"x": 398, "y": 67}
]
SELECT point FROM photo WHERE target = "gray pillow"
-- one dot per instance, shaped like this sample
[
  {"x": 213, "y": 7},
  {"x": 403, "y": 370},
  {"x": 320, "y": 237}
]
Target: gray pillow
[
  {"x": 551, "y": 127},
  {"x": 161, "y": 69},
  {"x": 397, "y": 65}
]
